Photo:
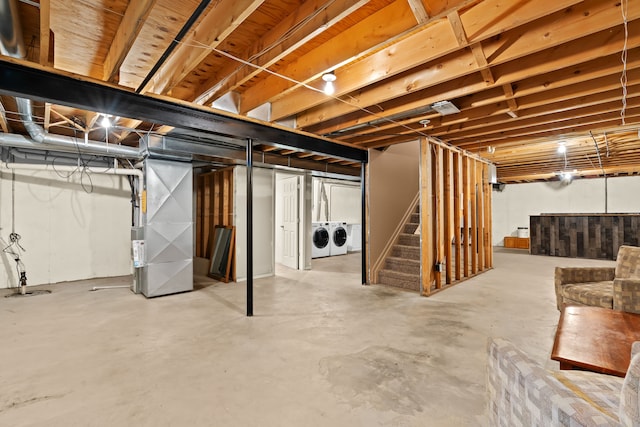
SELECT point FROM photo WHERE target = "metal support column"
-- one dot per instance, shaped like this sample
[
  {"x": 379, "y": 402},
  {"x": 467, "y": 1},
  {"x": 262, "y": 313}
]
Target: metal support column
[
  {"x": 249, "y": 227},
  {"x": 363, "y": 210}
]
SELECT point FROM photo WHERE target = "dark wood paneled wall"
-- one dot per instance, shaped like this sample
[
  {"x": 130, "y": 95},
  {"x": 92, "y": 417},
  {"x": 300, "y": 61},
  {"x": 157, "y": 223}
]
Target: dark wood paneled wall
[{"x": 583, "y": 236}]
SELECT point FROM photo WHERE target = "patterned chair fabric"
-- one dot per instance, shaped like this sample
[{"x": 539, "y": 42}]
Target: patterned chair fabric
[
  {"x": 630, "y": 398},
  {"x": 521, "y": 393},
  {"x": 598, "y": 294},
  {"x": 628, "y": 263},
  {"x": 617, "y": 288},
  {"x": 626, "y": 295}
]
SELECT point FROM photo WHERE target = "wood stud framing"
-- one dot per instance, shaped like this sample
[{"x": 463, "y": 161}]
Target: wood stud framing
[
  {"x": 455, "y": 208},
  {"x": 45, "y": 32},
  {"x": 214, "y": 206}
]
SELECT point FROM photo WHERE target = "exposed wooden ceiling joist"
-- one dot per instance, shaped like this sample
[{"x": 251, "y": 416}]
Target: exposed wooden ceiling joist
[{"x": 522, "y": 73}]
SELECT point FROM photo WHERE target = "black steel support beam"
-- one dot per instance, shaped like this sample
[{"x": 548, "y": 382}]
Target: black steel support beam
[
  {"x": 363, "y": 221},
  {"x": 19, "y": 78},
  {"x": 249, "y": 228}
]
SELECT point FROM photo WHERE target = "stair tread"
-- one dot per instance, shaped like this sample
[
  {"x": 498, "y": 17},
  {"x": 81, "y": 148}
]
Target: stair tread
[
  {"x": 399, "y": 258},
  {"x": 399, "y": 273}
]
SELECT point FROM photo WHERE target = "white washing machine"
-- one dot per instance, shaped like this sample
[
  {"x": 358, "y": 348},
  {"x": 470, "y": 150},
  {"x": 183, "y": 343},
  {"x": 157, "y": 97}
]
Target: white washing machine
[
  {"x": 338, "y": 238},
  {"x": 321, "y": 239},
  {"x": 354, "y": 239}
]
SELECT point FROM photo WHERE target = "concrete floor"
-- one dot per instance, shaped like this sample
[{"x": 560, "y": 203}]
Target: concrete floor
[{"x": 321, "y": 350}]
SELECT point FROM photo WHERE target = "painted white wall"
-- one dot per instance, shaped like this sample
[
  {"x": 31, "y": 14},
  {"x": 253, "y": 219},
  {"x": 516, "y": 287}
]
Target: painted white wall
[
  {"x": 263, "y": 221},
  {"x": 513, "y": 206},
  {"x": 393, "y": 183},
  {"x": 343, "y": 201},
  {"x": 68, "y": 234}
]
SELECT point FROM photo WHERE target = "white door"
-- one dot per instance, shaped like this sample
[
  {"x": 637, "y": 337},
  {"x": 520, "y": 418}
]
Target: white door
[{"x": 290, "y": 222}]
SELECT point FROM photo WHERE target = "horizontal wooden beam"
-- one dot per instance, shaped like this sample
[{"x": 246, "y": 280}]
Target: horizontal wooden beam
[
  {"x": 309, "y": 20},
  {"x": 358, "y": 41},
  {"x": 129, "y": 28},
  {"x": 510, "y": 47},
  {"x": 218, "y": 23},
  {"x": 534, "y": 66}
]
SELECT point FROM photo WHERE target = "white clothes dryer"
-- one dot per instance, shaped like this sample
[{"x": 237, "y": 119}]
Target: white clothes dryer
[
  {"x": 338, "y": 238},
  {"x": 321, "y": 239}
]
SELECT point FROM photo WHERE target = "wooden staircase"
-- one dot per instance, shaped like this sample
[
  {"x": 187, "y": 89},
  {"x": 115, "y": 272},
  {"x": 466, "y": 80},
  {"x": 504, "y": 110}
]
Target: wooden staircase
[{"x": 402, "y": 265}]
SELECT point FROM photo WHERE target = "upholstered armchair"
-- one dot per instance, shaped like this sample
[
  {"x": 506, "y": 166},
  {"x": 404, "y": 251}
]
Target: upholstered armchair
[
  {"x": 616, "y": 287},
  {"x": 523, "y": 393}
]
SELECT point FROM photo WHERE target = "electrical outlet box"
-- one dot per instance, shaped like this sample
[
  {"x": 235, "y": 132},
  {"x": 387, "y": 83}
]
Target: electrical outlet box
[{"x": 439, "y": 267}]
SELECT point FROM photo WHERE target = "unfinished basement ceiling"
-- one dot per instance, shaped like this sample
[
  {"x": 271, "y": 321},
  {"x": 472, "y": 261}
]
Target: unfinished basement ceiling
[{"x": 526, "y": 75}]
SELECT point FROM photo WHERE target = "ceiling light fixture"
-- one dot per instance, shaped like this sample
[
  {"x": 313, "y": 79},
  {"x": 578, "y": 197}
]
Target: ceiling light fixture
[
  {"x": 424, "y": 122},
  {"x": 105, "y": 122},
  {"x": 562, "y": 148},
  {"x": 329, "y": 78}
]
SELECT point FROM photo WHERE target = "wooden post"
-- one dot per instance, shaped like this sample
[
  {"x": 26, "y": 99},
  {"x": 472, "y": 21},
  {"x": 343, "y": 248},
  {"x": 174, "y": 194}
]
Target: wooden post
[
  {"x": 200, "y": 244},
  {"x": 226, "y": 213},
  {"x": 218, "y": 197},
  {"x": 474, "y": 215},
  {"x": 488, "y": 245},
  {"x": 426, "y": 219},
  {"x": 480, "y": 213},
  {"x": 438, "y": 225},
  {"x": 466, "y": 214},
  {"x": 207, "y": 214},
  {"x": 447, "y": 237},
  {"x": 457, "y": 213}
]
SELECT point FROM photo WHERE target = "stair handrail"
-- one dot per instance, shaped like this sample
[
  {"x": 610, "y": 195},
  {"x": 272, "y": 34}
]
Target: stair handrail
[{"x": 395, "y": 236}]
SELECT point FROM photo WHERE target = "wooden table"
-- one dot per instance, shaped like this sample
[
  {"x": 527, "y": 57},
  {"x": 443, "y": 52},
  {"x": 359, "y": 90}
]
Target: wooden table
[{"x": 595, "y": 339}]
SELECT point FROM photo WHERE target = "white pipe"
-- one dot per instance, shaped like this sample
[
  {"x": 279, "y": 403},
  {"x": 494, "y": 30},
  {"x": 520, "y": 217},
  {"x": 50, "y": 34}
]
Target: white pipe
[{"x": 66, "y": 168}]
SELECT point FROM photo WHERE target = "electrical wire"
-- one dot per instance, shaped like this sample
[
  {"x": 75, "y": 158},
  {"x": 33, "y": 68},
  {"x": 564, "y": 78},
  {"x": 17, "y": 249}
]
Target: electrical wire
[
  {"x": 106, "y": 9},
  {"x": 298, "y": 83},
  {"x": 284, "y": 37},
  {"x": 624, "y": 5},
  {"x": 13, "y": 201},
  {"x": 14, "y": 248},
  {"x": 40, "y": 121}
]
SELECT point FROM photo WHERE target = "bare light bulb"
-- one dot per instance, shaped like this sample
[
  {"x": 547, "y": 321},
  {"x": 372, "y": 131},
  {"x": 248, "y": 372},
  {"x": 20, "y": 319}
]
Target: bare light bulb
[
  {"x": 329, "y": 78},
  {"x": 562, "y": 149},
  {"x": 329, "y": 88},
  {"x": 105, "y": 122}
]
